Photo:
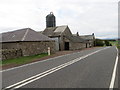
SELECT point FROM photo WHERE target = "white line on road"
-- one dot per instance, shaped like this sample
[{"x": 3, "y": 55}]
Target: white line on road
[
  {"x": 114, "y": 73},
  {"x": 38, "y": 76}
]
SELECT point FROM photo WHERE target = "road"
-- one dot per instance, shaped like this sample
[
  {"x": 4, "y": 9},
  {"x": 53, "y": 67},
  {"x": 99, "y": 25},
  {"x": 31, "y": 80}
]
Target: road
[{"x": 93, "y": 68}]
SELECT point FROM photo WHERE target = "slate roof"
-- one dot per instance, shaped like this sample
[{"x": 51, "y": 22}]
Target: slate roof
[
  {"x": 74, "y": 34},
  {"x": 25, "y": 34},
  {"x": 54, "y": 31},
  {"x": 75, "y": 39},
  {"x": 57, "y": 31},
  {"x": 87, "y": 37},
  {"x": 77, "y": 34}
]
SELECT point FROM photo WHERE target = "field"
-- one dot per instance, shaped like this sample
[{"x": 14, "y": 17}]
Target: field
[{"x": 114, "y": 43}]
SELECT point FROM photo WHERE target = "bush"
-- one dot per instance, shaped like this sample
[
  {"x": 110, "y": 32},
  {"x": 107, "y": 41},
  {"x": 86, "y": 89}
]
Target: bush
[
  {"x": 107, "y": 43},
  {"x": 110, "y": 44},
  {"x": 99, "y": 42}
]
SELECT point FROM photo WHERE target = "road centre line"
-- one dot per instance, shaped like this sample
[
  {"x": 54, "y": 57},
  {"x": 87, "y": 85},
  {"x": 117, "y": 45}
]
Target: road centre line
[
  {"x": 114, "y": 73},
  {"x": 38, "y": 76}
]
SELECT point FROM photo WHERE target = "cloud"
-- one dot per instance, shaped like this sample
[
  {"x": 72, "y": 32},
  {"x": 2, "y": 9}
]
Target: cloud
[{"x": 85, "y": 16}]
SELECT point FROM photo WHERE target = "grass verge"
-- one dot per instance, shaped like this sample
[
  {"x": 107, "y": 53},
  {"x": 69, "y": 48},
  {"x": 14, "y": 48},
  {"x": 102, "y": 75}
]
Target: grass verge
[
  {"x": 114, "y": 43},
  {"x": 22, "y": 60}
]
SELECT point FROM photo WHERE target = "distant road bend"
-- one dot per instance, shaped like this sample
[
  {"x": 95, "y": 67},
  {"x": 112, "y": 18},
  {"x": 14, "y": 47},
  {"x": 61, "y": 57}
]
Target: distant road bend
[{"x": 95, "y": 68}]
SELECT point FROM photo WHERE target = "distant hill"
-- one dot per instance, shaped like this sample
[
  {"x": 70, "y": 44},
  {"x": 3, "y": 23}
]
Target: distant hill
[{"x": 113, "y": 39}]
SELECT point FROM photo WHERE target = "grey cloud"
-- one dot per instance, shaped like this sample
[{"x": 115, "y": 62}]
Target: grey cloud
[{"x": 85, "y": 16}]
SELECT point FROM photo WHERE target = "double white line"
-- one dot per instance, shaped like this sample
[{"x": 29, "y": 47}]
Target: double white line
[{"x": 38, "y": 76}]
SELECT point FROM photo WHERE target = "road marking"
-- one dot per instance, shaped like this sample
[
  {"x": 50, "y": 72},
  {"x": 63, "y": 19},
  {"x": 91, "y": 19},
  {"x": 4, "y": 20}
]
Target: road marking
[
  {"x": 43, "y": 74},
  {"x": 114, "y": 73},
  {"x": 36, "y": 62}
]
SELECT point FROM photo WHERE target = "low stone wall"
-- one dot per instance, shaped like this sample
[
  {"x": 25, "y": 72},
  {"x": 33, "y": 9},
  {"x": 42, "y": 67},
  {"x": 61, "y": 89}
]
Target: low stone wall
[
  {"x": 11, "y": 49},
  {"x": 33, "y": 48},
  {"x": 77, "y": 46},
  {"x": 11, "y": 53}
]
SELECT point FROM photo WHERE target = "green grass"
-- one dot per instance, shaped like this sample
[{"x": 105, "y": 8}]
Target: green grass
[
  {"x": 22, "y": 60},
  {"x": 114, "y": 43}
]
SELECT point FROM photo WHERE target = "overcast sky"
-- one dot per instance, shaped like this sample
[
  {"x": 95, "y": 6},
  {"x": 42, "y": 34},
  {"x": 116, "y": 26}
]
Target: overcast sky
[{"x": 83, "y": 16}]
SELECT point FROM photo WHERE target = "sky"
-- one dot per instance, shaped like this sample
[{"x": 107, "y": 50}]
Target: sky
[{"x": 83, "y": 16}]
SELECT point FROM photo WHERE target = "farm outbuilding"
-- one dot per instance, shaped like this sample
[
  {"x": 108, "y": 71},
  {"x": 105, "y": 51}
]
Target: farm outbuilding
[
  {"x": 28, "y": 40},
  {"x": 64, "y": 38}
]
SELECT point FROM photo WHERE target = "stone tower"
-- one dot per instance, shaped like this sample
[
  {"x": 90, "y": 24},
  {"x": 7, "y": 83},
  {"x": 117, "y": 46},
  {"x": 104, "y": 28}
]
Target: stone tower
[{"x": 50, "y": 20}]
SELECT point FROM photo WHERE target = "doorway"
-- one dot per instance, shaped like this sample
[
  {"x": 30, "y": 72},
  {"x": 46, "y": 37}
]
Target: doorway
[
  {"x": 66, "y": 45},
  {"x": 86, "y": 45}
]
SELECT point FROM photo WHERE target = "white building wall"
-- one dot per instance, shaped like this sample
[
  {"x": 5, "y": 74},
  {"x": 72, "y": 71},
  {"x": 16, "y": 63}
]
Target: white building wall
[{"x": 56, "y": 43}]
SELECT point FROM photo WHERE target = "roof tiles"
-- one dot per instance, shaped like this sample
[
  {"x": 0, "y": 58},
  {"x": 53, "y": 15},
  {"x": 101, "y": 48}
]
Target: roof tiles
[{"x": 25, "y": 34}]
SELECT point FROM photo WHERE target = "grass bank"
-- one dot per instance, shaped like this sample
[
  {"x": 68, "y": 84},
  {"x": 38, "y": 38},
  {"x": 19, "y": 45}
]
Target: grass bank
[
  {"x": 22, "y": 60},
  {"x": 114, "y": 43}
]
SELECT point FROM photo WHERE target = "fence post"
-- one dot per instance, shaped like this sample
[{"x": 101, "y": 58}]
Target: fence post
[{"x": 48, "y": 50}]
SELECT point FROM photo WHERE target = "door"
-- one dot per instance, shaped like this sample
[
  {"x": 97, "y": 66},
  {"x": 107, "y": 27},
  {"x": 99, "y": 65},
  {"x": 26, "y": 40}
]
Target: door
[
  {"x": 66, "y": 45},
  {"x": 86, "y": 45}
]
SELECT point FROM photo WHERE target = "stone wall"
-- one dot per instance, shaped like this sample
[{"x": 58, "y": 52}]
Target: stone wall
[
  {"x": 31, "y": 48},
  {"x": 10, "y": 45},
  {"x": 11, "y": 53},
  {"x": 77, "y": 46}
]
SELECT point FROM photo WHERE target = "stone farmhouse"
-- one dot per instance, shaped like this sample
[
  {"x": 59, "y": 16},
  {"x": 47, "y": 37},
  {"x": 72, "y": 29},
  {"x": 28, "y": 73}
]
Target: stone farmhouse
[
  {"x": 27, "y": 40},
  {"x": 65, "y": 40},
  {"x": 90, "y": 39}
]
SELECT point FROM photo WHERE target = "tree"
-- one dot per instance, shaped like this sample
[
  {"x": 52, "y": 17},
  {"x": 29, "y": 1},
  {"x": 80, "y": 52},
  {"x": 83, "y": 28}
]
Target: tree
[
  {"x": 99, "y": 42},
  {"x": 107, "y": 43}
]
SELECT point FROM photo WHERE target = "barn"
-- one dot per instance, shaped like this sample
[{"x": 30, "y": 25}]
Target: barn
[
  {"x": 27, "y": 40},
  {"x": 64, "y": 38}
]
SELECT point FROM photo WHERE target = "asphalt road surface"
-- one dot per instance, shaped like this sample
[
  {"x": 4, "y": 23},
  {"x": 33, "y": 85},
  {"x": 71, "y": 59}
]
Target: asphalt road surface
[{"x": 94, "y": 68}]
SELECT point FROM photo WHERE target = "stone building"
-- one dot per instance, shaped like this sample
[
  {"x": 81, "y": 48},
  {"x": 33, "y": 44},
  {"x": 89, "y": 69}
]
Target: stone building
[
  {"x": 28, "y": 40},
  {"x": 65, "y": 40},
  {"x": 90, "y": 40}
]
